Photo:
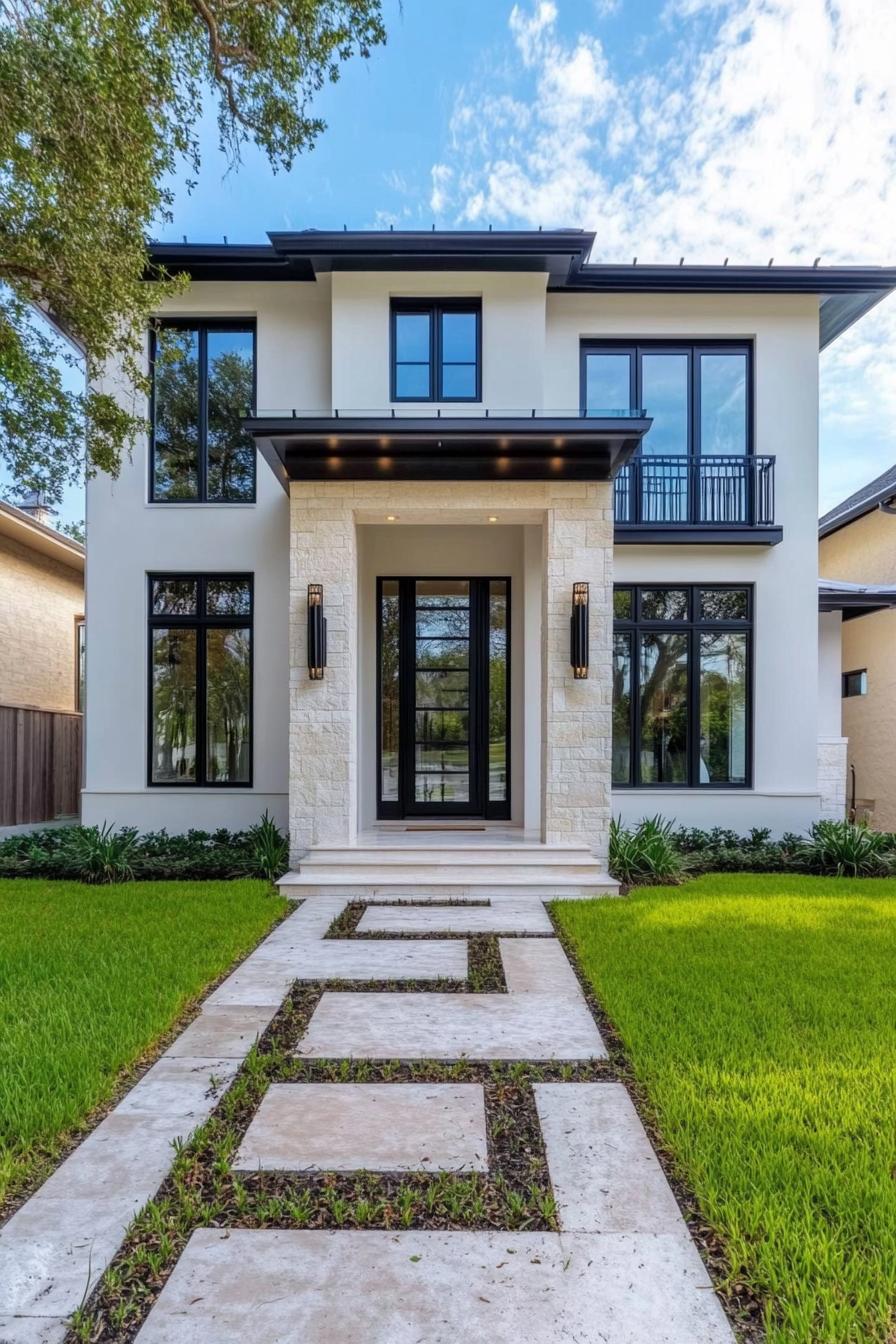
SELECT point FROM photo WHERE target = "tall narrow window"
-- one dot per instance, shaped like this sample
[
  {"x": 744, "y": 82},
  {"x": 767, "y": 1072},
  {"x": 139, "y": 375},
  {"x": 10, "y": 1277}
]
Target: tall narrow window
[
  {"x": 681, "y": 686},
  {"x": 200, "y": 652},
  {"x": 497, "y": 690},
  {"x": 390, "y": 664},
  {"x": 435, "y": 350},
  {"x": 203, "y": 386},
  {"x": 80, "y": 664}
]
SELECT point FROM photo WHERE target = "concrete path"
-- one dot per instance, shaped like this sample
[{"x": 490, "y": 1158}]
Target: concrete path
[{"x": 622, "y": 1268}]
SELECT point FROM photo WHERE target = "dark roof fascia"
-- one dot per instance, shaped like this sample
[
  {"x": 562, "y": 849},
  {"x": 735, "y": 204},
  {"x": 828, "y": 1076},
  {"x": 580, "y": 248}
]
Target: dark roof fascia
[
  {"x": 485, "y": 428},
  {"x": 822, "y": 280},
  {"x": 846, "y": 293},
  {"x": 858, "y": 510},
  {"x": 856, "y": 604},
  {"x": 559, "y": 252},
  {"x": 224, "y": 261}
]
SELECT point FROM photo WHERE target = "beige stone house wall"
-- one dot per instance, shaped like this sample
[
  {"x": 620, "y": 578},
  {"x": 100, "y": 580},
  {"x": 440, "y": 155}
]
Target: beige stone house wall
[
  {"x": 576, "y": 728},
  {"x": 39, "y": 601},
  {"x": 865, "y": 552}
]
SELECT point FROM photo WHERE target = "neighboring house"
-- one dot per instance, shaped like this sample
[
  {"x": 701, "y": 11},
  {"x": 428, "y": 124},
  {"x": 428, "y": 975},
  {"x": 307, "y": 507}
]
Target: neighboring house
[
  {"x": 41, "y": 610},
  {"x": 857, "y": 549},
  {"x": 41, "y": 665},
  {"x": 455, "y": 430}
]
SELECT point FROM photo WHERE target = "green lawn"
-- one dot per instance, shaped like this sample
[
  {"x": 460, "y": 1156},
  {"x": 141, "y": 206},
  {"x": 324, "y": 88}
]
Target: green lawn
[
  {"x": 90, "y": 977},
  {"x": 760, "y": 1016}
]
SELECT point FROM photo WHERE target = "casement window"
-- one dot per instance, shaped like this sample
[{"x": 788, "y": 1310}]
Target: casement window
[
  {"x": 200, "y": 679},
  {"x": 700, "y": 396},
  {"x": 203, "y": 386},
  {"x": 855, "y": 683},
  {"x": 682, "y": 686},
  {"x": 436, "y": 350}
]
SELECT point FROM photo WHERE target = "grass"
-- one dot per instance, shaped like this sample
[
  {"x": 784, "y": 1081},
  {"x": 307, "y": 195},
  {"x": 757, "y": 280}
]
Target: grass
[
  {"x": 759, "y": 1016},
  {"x": 90, "y": 978}
]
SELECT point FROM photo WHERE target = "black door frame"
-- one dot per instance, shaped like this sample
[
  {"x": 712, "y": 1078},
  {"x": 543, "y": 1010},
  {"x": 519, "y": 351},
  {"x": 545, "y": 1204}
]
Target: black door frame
[{"x": 479, "y": 805}]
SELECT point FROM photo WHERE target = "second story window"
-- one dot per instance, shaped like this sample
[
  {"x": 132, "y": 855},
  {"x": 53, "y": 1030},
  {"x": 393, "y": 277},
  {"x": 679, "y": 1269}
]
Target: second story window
[
  {"x": 203, "y": 386},
  {"x": 699, "y": 395},
  {"x": 436, "y": 350}
]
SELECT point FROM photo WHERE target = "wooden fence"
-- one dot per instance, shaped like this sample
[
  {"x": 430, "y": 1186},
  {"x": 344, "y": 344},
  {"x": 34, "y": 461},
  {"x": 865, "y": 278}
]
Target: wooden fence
[{"x": 40, "y": 765}]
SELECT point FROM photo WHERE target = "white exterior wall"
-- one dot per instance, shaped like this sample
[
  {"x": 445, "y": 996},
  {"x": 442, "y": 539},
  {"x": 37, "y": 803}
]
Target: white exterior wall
[
  {"x": 784, "y": 330},
  {"x": 512, "y": 335},
  {"x": 129, "y": 538},
  {"x": 326, "y": 344},
  {"x": 832, "y": 745}
]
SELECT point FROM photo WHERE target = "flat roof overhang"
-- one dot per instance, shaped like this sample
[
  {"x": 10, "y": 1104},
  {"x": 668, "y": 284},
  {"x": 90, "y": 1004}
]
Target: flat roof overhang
[
  {"x": 853, "y": 599},
  {"x": 446, "y": 448}
]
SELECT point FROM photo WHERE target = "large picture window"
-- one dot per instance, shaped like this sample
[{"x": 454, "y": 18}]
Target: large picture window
[
  {"x": 203, "y": 386},
  {"x": 682, "y": 686},
  {"x": 699, "y": 396},
  {"x": 436, "y": 350},
  {"x": 200, "y": 679}
]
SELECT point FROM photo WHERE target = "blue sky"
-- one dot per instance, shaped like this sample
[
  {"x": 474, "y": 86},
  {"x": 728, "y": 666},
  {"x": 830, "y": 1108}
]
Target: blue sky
[{"x": 703, "y": 128}]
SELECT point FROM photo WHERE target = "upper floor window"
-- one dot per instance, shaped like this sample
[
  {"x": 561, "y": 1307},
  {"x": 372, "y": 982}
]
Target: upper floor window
[
  {"x": 203, "y": 385},
  {"x": 436, "y": 350},
  {"x": 699, "y": 395}
]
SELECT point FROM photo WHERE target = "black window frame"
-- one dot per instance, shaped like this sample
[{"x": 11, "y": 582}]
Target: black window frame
[
  {"x": 693, "y": 626},
  {"x": 202, "y": 326},
  {"x": 479, "y": 805},
  {"x": 200, "y": 622},
  {"x": 434, "y": 310},
  {"x": 846, "y": 693},
  {"x": 670, "y": 346}
]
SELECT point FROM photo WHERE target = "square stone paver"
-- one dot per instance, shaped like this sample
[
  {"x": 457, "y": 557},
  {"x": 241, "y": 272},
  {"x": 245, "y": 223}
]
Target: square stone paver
[
  {"x": 32, "y": 1329},
  {"x": 510, "y": 916},
  {"x": 227, "y": 1031},
  {"x": 379, "y": 959},
  {"x": 367, "y": 1127},
  {"x": 605, "y": 1174},
  {"x": 52, "y": 1252},
  {"x": 537, "y": 966},
  {"x": 451, "y": 1026},
  {"x": 184, "y": 1089},
  {"x": 275, "y": 1287}
]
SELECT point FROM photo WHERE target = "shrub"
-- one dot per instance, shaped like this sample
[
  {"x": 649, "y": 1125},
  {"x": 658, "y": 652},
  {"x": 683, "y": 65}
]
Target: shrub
[
  {"x": 645, "y": 854},
  {"x": 270, "y": 849},
  {"x": 846, "y": 849},
  {"x": 101, "y": 854}
]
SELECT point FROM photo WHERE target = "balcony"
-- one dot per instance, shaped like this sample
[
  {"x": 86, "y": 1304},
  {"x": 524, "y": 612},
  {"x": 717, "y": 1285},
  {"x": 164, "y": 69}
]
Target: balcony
[{"x": 703, "y": 500}]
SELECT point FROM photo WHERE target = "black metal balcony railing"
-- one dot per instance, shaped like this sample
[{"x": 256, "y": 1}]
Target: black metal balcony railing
[{"x": 710, "y": 491}]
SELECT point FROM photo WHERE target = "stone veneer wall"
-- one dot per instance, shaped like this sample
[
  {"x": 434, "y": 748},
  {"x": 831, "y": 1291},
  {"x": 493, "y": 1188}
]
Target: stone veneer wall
[
  {"x": 832, "y": 777},
  {"x": 39, "y": 600},
  {"x": 577, "y": 522}
]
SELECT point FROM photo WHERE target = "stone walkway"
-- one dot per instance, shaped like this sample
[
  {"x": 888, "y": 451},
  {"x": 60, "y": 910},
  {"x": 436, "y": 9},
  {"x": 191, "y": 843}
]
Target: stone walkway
[{"x": 621, "y": 1269}]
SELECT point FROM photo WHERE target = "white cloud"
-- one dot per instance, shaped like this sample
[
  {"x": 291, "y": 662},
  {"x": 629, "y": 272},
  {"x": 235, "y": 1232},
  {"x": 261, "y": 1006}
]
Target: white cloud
[{"x": 767, "y": 129}]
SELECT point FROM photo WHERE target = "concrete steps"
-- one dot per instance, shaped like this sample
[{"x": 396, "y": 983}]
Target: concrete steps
[{"x": 421, "y": 871}]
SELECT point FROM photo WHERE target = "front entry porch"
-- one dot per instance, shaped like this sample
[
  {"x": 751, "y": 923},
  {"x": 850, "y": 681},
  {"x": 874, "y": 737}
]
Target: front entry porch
[{"x": 525, "y": 746}]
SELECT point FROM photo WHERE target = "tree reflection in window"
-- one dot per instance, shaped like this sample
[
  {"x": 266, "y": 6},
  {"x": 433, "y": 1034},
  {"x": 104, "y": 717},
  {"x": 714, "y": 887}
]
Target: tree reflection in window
[
  {"x": 201, "y": 680},
  {"x": 203, "y": 388}
]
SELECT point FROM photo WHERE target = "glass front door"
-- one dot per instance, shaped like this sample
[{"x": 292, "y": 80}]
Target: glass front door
[{"x": 443, "y": 685}]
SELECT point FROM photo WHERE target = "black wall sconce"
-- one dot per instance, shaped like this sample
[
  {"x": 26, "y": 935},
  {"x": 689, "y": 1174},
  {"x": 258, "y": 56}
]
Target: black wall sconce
[
  {"x": 578, "y": 631},
  {"x": 317, "y": 632}
]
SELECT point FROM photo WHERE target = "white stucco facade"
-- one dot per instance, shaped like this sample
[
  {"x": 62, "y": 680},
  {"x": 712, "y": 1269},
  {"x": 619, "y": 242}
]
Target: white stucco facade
[{"x": 324, "y": 345}]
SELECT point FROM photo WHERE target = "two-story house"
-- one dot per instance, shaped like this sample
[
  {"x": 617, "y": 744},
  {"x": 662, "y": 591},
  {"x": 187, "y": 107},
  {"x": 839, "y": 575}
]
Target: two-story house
[{"x": 456, "y": 529}]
